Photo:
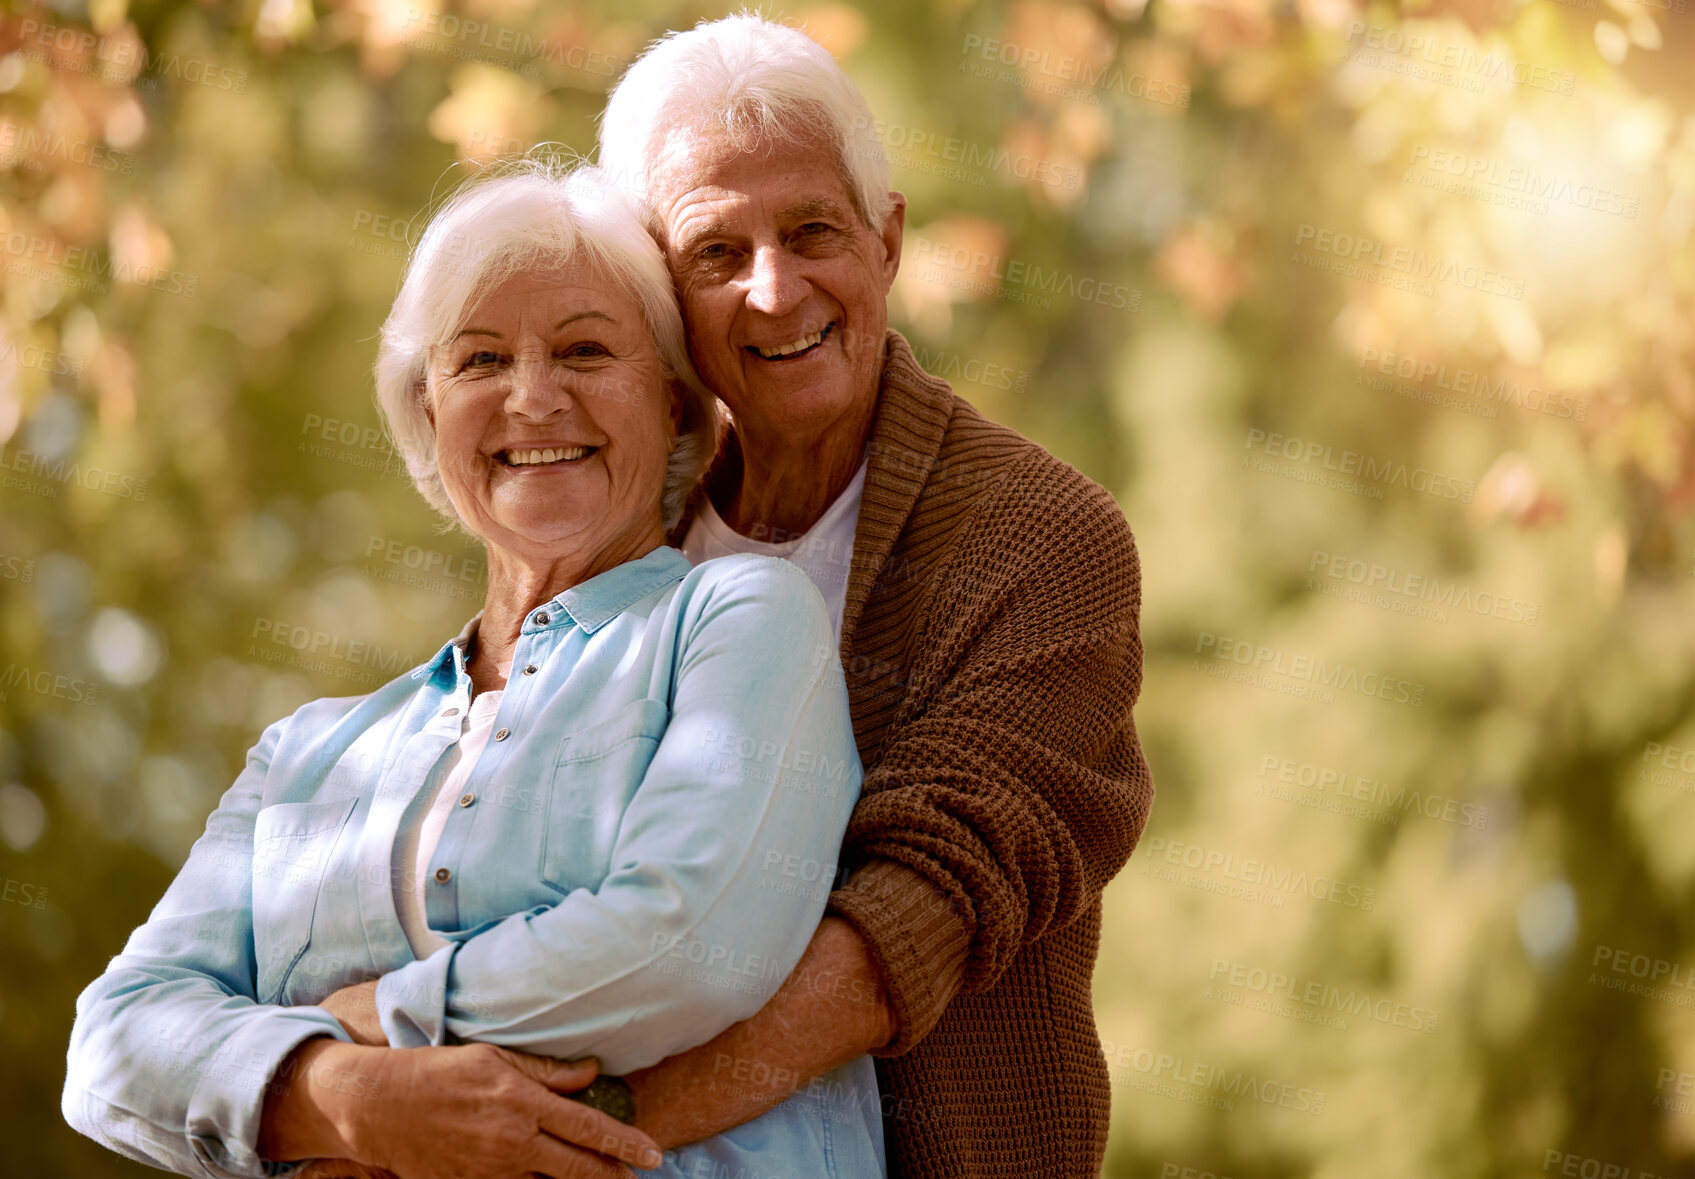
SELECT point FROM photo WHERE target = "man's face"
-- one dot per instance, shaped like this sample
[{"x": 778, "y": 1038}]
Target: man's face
[{"x": 784, "y": 287}]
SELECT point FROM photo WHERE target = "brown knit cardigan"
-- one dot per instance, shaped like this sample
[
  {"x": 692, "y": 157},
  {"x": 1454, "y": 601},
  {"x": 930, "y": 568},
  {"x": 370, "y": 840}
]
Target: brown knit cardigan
[{"x": 992, "y": 654}]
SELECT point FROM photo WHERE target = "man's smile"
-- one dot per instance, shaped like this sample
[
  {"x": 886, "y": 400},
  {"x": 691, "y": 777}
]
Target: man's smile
[{"x": 794, "y": 348}]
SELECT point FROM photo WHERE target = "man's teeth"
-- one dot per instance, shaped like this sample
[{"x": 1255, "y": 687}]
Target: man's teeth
[
  {"x": 525, "y": 458},
  {"x": 800, "y": 345}
]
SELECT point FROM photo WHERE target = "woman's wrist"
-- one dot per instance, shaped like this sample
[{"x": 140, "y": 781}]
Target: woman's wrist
[{"x": 318, "y": 1100}]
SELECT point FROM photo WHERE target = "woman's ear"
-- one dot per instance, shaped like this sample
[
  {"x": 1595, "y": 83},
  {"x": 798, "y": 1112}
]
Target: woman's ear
[{"x": 422, "y": 391}]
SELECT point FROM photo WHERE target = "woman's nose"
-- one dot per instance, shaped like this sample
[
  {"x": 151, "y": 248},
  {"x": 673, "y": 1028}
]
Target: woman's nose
[{"x": 538, "y": 389}]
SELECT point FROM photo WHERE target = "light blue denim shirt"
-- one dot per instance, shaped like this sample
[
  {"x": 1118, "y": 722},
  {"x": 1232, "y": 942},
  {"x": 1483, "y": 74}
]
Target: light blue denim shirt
[{"x": 640, "y": 856}]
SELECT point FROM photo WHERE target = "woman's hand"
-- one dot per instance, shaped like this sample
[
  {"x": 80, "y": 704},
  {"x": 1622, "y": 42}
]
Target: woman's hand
[{"x": 467, "y": 1111}]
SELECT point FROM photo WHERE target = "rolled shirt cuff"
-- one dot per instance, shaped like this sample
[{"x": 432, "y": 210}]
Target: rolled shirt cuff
[
  {"x": 919, "y": 936},
  {"x": 412, "y": 1001},
  {"x": 228, "y": 1103}
]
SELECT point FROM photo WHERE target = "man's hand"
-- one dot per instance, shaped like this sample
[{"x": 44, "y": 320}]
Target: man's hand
[
  {"x": 342, "y": 1169},
  {"x": 830, "y": 1010},
  {"x": 470, "y": 1111},
  {"x": 355, "y": 1007}
]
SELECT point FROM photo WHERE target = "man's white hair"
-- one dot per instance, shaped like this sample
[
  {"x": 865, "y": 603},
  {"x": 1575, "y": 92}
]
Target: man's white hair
[
  {"x": 530, "y": 214},
  {"x": 761, "y": 83}
]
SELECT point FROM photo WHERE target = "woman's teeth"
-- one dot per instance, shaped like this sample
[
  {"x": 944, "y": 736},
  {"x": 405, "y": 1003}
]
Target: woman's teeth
[
  {"x": 525, "y": 458},
  {"x": 800, "y": 345}
]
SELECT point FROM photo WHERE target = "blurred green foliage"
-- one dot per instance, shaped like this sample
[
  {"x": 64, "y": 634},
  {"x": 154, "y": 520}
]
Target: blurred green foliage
[{"x": 1376, "y": 321}]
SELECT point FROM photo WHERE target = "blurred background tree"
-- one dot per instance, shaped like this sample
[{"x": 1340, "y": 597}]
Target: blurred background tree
[{"x": 1376, "y": 321}]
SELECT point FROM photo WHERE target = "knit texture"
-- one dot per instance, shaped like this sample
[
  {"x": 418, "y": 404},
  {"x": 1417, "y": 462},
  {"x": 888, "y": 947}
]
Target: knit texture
[{"x": 992, "y": 652}]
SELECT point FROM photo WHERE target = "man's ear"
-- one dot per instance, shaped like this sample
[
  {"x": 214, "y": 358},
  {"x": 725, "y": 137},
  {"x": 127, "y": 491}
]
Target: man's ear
[{"x": 894, "y": 232}]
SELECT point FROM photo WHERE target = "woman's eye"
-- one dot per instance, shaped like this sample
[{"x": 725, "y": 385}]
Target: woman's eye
[
  {"x": 480, "y": 360},
  {"x": 587, "y": 350}
]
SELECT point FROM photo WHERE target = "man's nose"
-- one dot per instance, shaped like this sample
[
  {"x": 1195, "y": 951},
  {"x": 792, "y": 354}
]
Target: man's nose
[{"x": 776, "y": 285}]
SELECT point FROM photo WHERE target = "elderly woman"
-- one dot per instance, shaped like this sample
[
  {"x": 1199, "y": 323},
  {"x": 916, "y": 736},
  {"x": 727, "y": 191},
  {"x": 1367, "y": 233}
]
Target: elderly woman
[{"x": 583, "y": 827}]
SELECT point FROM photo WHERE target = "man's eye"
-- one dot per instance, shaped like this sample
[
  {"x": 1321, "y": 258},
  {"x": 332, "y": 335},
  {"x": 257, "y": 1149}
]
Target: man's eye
[{"x": 714, "y": 252}]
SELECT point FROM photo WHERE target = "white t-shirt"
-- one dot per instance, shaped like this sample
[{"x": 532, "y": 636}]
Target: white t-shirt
[
  {"x": 824, "y": 552},
  {"x": 415, "y": 843}
]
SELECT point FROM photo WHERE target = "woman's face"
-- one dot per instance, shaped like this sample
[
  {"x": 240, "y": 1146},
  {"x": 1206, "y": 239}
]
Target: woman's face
[{"x": 553, "y": 422}]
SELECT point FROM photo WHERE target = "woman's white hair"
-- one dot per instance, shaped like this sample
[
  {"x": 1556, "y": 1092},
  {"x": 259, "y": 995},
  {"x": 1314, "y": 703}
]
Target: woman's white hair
[
  {"x": 760, "y": 82},
  {"x": 527, "y": 214}
]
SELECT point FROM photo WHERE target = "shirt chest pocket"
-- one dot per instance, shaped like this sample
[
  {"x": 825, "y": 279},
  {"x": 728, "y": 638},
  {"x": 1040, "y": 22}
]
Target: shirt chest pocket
[
  {"x": 293, "y": 843},
  {"x": 597, "y": 773}
]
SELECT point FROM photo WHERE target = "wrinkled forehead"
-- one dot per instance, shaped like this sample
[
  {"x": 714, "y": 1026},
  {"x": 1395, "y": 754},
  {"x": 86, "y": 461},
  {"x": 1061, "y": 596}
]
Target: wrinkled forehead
[{"x": 718, "y": 162}]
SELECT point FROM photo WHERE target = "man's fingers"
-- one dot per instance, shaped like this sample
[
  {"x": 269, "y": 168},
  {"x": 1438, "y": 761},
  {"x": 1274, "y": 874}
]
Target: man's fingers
[
  {"x": 590, "y": 1129},
  {"x": 562, "y": 1076},
  {"x": 556, "y": 1160},
  {"x": 341, "y": 1169}
]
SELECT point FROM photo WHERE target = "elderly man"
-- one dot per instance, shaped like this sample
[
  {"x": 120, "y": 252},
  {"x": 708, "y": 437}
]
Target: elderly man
[{"x": 986, "y": 597}]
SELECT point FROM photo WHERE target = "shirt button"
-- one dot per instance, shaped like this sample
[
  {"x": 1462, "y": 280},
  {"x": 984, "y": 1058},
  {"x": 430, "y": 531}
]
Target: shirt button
[
  {"x": 530, "y": 670},
  {"x": 542, "y": 619},
  {"x": 502, "y": 734},
  {"x": 443, "y": 876},
  {"x": 450, "y": 712},
  {"x": 467, "y": 799}
]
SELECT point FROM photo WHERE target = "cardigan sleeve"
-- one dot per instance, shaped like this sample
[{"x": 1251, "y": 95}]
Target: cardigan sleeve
[{"x": 1012, "y": 786}]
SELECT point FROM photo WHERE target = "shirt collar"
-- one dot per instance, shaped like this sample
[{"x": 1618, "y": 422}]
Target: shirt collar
[
  {"x": 603, "y": 597},
  {"x": 591, "y": 605}
]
